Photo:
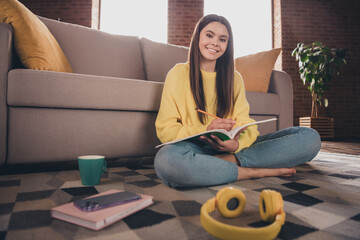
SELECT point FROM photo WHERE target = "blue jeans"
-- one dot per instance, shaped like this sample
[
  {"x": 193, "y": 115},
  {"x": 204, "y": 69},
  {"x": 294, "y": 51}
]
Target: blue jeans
[{"x": 192, "y": 164}]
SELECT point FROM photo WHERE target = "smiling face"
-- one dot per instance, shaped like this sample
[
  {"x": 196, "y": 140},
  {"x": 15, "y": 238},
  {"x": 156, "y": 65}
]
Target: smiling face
[{"x": 212, "y": 44}]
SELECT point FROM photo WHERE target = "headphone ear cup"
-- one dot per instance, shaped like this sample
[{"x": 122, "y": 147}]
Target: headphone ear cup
[
  {"x": 230, "y": 202},
  {"x": 270, "y": 204}
]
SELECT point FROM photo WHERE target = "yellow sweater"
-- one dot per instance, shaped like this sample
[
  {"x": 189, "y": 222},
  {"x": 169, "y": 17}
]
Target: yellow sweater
[{"x": 177, "y": 117}]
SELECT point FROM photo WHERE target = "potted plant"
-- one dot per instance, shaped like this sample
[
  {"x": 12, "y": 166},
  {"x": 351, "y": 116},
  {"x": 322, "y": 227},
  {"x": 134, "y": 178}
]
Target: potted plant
[{"x": 317, "y": 66}]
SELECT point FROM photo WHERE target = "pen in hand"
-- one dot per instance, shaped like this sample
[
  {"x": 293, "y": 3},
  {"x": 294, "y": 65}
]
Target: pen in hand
[
  {"x": 209, "y": 114},
  {"x": 211, "y": 126}
]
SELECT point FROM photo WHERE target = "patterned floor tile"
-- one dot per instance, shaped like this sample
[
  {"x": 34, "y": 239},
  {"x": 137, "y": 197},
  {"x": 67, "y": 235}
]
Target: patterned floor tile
[
  {"x": 9, "y": 194},
  {"x": 192, "y": 229},
  {"x": 35, "y": 182},
  {"x": 299, "y": 186},
  {"x": 46, "y": 232},
  {"x": 343, "y": 209},
  {"x": 165, "y": 193},
  {"x": 111, "y": 236},
  {"x": 110, "y": 183},
  {"x": 169, "y": 230},
  {"x": 68, "y": 176},
  {"x": 4, "y": 222},
  {"x": 29, "y": 219},
  {"x": 202, "y": 194},
  {"x": 345, "y": 176},
  {"x": 302, "y": 199},
  {"x": 135, "y": 178},
  {"x": 146, "y": 218},
  {"x": 112, "y": 230},
  {"x": 10, "y": 183},
  {"x": 356, "y": 217},
  {"x": 284, "y": 191},
  {"x": 60, "y": 197},
  {"x": 145, "y": 183},
  {"x": 73, "y": 184},
  {"x": 164, "y": 207},
  {"x": 68, "y": 230},
  {"x": 246, "y": 184},
  {"x": 151, "y": 176},
  {"x": 6, "y": 208},
  {"x": 353, "y": 182},
  {"x": 273, "y": 180},
  {"x": 292, "y": 231},
  {"x": 317, "y": 218},
  {"x": 321, "y": 235},
  {"x": 81, "y": 191},
  {"x": 290, "y": 207},
  {"x": 187, "y": 208},
  {"x": 55, "y": 182},
  {"x": 126, "y": 173},
  {"x": 3, "y": 234},
  {"x": 28, "y": 196},
  {"x": 348, "y": 228},
  {"x": 39, "y": 204}
]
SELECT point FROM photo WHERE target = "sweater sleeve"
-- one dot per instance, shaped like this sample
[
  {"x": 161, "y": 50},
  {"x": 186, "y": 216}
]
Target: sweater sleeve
[
  {"x": 171, "y": 122},
  {"x": 241, "y": 115}
]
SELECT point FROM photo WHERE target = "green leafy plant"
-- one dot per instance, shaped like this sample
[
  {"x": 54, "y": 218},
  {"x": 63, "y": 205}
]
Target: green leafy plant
[{"x": 317, "y": 66}]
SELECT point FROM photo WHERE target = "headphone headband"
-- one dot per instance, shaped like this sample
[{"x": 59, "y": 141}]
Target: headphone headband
[{"x": 269, "y": 201}]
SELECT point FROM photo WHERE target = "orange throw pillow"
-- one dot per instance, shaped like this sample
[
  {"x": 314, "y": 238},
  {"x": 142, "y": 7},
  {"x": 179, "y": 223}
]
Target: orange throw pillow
[
  {"x": 256, "y": 69},
  {"x": 36, "y": 46}
]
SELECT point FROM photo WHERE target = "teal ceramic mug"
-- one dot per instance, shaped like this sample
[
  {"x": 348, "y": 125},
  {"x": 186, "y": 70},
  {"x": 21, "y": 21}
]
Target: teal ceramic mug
[{"x": 91, "y": 168}]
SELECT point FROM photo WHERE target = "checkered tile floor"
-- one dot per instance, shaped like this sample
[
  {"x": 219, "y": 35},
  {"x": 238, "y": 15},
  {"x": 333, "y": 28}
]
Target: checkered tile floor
[{"x": 322, "y": 201}]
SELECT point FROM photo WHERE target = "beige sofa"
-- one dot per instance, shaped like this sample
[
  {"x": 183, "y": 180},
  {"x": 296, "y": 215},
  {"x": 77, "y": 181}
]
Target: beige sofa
[{"x": 108, "y": 106}]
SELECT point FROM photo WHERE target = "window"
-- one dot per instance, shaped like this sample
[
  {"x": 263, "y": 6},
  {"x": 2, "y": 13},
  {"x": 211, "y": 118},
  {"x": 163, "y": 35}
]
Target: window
[
  {"x": 250, "y": 22},
  {"x": 141, "y": 18}
]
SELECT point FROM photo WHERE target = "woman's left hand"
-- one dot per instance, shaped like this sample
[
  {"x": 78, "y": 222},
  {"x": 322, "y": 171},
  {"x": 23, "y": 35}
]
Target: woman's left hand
[{"x": 222, "y": 146}]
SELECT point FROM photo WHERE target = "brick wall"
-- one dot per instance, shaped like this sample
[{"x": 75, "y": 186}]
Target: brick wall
[
  {"x": 182, "y": 18},
  {"x": 276, "y": 30},
  {"x": 336, "y": 24},
  {"x": 80, "y": 12}
]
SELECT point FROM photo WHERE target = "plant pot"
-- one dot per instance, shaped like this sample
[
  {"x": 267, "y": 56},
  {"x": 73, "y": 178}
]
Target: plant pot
[{"x": 324, "y": 126}]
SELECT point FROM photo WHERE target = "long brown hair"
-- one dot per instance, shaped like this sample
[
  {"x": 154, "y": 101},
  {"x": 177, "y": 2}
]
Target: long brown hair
[{"x": 224, "y": 70}]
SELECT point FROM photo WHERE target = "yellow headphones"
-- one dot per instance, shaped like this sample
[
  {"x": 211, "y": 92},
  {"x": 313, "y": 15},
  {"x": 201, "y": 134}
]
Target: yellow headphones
[{"x": 230, "y": 202}]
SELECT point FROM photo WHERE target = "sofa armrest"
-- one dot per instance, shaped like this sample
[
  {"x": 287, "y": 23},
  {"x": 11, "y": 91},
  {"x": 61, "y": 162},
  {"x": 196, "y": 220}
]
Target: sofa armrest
[
  {"x": 281, "y": 84},
  {"x": 6, "y": 34}
]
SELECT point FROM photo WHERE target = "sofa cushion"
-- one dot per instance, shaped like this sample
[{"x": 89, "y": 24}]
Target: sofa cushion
[
  {"x": 256, "y": 69},
  {"x": 36, "y": 46},
  {"x": 30, "y": 88},
  {"x": 159, "y": 58},
  {"x": 95, "y": 52},
  {"x": 263, "y": 103}
]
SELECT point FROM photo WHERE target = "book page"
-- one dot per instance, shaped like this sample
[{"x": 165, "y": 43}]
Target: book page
[{"x": 234, "y": 131}]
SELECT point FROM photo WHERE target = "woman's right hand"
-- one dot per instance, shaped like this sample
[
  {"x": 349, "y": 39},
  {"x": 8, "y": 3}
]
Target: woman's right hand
[{"x": 226, "y": 124}]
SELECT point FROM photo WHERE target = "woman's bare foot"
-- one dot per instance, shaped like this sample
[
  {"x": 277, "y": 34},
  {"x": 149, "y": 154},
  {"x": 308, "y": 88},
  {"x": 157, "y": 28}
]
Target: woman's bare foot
[{"x": 246, "y": 173}]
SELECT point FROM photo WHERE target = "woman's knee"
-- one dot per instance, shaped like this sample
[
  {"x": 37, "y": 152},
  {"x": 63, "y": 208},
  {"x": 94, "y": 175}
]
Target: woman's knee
[
  {"x": 311, "y": 141},
  {"x": 163, "y": 158},
  {"x": 170, "y": 163},
  {"x": 313, "y": 137}
]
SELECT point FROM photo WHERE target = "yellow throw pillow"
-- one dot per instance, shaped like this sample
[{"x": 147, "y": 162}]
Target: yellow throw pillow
[
  {"x": 256, "y": 69},
  {"x": 36, "y": 46}
]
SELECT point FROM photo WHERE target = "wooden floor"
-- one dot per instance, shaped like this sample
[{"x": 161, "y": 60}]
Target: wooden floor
[{"x": 345, "y": 147}]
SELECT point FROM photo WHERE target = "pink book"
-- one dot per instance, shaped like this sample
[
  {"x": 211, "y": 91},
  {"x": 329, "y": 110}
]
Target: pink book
[{"x": 100, "y": 219}]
